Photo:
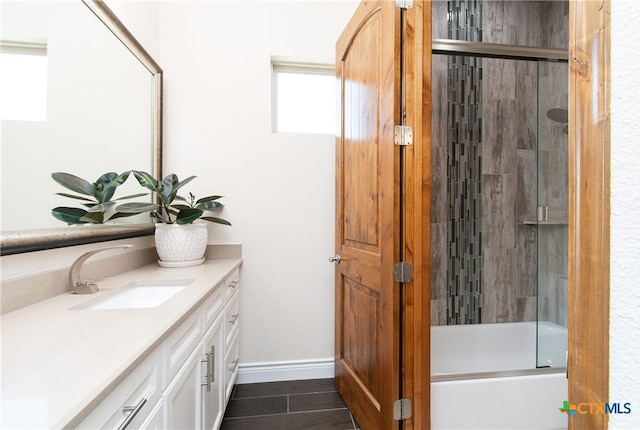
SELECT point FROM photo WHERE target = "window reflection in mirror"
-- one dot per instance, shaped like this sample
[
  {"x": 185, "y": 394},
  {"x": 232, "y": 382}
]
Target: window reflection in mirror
[
  {"x": 99, "y": 113},
  {"x": 23, "y": 80}
]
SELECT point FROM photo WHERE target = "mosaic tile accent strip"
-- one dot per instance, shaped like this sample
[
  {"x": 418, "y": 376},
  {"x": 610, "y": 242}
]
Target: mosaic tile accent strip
[
  {"x": 464, "y": 169},
  {"x": 465, "y": 20}
]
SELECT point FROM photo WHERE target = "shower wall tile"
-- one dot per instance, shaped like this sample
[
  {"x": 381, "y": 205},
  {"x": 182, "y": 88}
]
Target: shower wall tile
[
  {"x": 554, "y": 240},
  {"x": 526, "y": 202},
  {"x": 498, "y": 26},
  {"x": 500, "y": 304},
  {"x": 556, "y": 17},
  {"x": 527, "y": 309},
  {"x": 439, "y": 184},
  {"x": 439, "y": 22},
  {"x": 528, "y": 23},
  {"x": 528, "y": 15},
  {"x": 498, "y": 206},
  {"x": 439, "y": 105},
  {"x": 499, "y": 79},
  {"x": 500, "y": 136},
  {"x": 526, "y": 261},
  {"x": 543, "y": 308},
  {"x": 499, "y": 98},
  {"x": 439, "y": 312},
  {"x": 527, "y": 110},
  {"x": 544, "y": 183},
  {"x": 439, "y": 261}
]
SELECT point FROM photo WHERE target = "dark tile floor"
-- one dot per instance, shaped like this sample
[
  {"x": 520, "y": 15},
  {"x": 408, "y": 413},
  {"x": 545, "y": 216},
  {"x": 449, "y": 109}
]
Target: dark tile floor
[{"x": 287, "y": 405}]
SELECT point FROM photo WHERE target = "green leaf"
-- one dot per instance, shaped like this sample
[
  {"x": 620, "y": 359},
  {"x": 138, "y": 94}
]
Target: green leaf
[
  {"x": 181, "y": 207},
  {"x": 102, "y": 207},
  {"x": 73, "y": 196},
  {"x": 216, "y": 220},
  {"x": 147, "y": 181},
  {"x": 74, "y": 183},
  {"x": 188, "y": 215},
  {"x": 137, "y": 208},
  {"x": 159, "y": 217},
  {"x": 132, "y": 196},
  {"x": 69, "y": 215},
  {"x": 122, "y": 177},
  {"x": 184, "y": 182},
  {"x": 208, "y": 199},
  {"x": 167, "y": 188},
  {"x": 121, "y": 215},
  {"x": 93, "y": 217},
  {"x": 210, "y": 206}
]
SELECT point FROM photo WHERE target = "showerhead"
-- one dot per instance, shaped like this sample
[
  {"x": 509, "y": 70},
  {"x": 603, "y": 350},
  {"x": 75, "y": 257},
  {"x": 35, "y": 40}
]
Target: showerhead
[{"x": 558, "y": 114}]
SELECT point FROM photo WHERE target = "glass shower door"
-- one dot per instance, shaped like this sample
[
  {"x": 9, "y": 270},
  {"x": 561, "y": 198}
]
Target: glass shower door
[{"x": 552, "y": 220}]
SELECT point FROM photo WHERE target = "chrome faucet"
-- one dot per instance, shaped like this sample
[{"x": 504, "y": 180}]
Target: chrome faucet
[{"x": 86, "y": 287}]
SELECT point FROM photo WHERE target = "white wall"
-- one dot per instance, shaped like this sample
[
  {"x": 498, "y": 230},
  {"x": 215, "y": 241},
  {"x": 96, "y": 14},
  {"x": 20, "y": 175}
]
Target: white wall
[
  {"x": 279, "y": 188},
  {"x": 141, "y": 19},
  {"x": 624, "y": 329}
]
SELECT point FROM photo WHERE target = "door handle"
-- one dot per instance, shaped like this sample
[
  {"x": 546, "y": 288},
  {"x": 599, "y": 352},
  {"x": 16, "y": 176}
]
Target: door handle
[{"x": 335, "y": 260}]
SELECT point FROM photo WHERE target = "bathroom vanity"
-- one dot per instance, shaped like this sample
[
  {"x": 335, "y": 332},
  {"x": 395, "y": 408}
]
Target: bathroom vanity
[{"x": 126, "y": 356}]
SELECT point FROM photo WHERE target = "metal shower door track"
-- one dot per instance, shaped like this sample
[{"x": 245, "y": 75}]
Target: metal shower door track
[{"x": 496, "y": 50}]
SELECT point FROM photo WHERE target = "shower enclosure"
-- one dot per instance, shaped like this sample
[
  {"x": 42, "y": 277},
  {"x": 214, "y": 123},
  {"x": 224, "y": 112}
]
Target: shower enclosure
[{"x": 499, "y": 233}]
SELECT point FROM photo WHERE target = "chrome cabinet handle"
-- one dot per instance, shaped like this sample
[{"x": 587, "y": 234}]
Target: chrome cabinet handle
[
  {"x": 212, "y": 371},
  {"x": 133, "y": 411},
  {"x": 210, "y": 377},
  {"x": 233, "y": 284},
  {"x": 207, "y": 378},
  {"x": 234, "y": 318},
  {"x": 335, "y": 259}
]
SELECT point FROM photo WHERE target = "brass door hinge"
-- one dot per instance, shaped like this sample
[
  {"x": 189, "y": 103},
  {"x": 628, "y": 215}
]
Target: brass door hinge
[{"x": 403, "y": 135}]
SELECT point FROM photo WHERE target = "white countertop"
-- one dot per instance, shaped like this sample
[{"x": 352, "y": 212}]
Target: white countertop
[{"x": 59, "y": 363}]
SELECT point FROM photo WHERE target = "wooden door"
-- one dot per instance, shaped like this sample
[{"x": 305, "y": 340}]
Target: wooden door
[{"x": 367, "y": 215}]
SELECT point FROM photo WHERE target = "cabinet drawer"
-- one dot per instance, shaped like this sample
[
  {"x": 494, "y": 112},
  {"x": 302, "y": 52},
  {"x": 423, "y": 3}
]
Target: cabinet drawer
[
  {"x": 181, "y": 343},
  {"x": 133, "y": 400},
  {"x": 231, "y": 361},
  {"x": 231, "y": 319},
  {"x": 232, "y": 284},
  {"x": 213, "y": 306}
]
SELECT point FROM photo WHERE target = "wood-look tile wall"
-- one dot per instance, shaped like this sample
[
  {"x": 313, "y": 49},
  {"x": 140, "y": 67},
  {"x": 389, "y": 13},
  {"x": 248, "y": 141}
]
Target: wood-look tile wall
[{"x": 507, "y": 145}]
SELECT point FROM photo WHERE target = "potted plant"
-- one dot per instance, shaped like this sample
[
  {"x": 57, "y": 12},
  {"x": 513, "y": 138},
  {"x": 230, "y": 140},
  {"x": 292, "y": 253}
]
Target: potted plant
[
  {"x": 179, "y": 240},
  {"x": 95, "y": 197}
]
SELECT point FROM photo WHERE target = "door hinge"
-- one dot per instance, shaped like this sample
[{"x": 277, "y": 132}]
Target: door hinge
[
  {"x": 404, "y": 4},
  {"x": 402, "y": 272},
  {"x": 402, "y": 409},
  {"x": 403, "y": 135}
]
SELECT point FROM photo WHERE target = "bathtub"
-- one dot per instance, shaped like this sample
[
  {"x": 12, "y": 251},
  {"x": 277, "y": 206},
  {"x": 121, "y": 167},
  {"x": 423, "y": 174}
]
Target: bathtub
[{"x": 484, "y": 376}]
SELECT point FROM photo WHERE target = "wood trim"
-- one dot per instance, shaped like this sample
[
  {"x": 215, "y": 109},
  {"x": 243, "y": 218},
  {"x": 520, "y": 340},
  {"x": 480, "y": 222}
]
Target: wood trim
[
  {"x": 416, "y": 377},
  {"x": 589, "y": 143}
]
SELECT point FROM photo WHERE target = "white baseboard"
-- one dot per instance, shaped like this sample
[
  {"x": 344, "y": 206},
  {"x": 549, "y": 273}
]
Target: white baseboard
[{"x": 285, "y": 371}]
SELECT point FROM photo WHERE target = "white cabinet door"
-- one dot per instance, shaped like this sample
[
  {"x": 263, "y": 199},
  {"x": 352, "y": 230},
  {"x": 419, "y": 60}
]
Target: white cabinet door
[
  {"x": 131, "y": 402},
  {"x": 231, "y": 367},
  {"x": 182, "y": 397},
  {"x": 155, "y": 419},
  {"x": 213, "y": 380}
]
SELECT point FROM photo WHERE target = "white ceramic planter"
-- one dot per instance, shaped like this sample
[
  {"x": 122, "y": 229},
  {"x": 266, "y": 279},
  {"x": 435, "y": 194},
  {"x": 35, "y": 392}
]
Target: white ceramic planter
[{"x": 181, "y": 245}]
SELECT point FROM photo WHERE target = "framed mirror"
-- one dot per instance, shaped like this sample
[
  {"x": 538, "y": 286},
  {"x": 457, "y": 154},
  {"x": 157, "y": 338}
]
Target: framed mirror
[{"x": 103, "y": 113}]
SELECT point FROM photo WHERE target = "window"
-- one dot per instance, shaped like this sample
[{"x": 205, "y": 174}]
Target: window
[
  {"x": 23, "y": 80},
  {"x": 304, "y": 98}
]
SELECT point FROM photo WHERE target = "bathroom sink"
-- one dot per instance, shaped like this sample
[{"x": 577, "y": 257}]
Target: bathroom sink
[{"x": 139, "y": 294}]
